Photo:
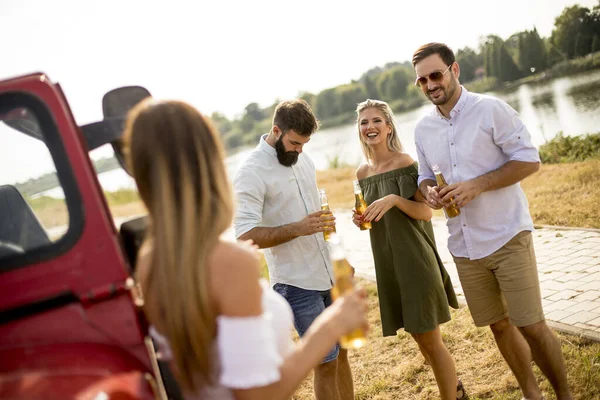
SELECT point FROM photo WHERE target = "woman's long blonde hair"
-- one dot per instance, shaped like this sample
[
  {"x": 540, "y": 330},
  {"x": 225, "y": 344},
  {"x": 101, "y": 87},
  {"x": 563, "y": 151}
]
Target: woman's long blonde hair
[
  {"x": 393, "y": 140},
  {"x": 176, "y": 158}
]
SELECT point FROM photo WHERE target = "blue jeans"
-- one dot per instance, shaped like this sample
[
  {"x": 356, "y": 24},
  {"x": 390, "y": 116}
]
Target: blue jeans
[{"x": 307, "y": 305}]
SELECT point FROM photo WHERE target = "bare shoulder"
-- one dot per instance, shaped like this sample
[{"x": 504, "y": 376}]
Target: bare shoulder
[
  {"x": 230, "y": 258},
  {"x": 234, "y": 279},
  {"x": 402, "y": 160},
  {"x": 362, "y": 171}
]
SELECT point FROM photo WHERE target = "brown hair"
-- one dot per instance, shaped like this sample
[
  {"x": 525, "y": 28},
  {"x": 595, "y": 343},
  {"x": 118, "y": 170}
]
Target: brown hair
[
  {"x": 445, "y": 53},
  {"x": 393, "y": 140},
  {"x": 296, "y": 115},
  {"x": 176, "y": 158}
]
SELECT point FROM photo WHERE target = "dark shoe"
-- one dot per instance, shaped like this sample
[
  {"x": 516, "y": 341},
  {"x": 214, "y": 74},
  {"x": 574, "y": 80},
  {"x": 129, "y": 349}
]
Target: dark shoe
[{"x": 461, "y": 393}]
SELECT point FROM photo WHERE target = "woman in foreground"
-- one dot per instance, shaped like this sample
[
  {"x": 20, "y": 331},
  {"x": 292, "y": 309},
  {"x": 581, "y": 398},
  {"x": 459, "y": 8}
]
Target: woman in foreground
[{"x": 226, "y": 333}]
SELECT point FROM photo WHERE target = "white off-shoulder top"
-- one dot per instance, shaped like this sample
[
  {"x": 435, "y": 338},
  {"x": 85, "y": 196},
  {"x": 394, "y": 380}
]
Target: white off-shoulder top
[{"x": 248, "y": 351}]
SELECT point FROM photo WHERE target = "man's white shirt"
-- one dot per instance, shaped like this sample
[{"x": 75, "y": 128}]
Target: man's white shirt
[
  {"x": 482, "y": 134},
  {"x": 269, "y": 194}
]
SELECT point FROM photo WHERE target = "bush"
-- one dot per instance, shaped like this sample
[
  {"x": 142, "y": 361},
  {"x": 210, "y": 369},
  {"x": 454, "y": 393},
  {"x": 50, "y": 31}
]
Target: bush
[
  {"x": 575, "y": 66},
  {"x": 336, "y": 162},
  {"x": 343, "y": 119},
  {"x": 564, "y": 149},
  {"x": 482, "y": 85},
  {"x": 407, "y": 104}
]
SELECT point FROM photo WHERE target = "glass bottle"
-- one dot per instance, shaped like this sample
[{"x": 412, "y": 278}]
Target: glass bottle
[
  {"x": 325, "y": 207},
  {"x": 344, "y": 283},
  {"x": 360, "y": 205},
  {"x": 451, "y": 211}
]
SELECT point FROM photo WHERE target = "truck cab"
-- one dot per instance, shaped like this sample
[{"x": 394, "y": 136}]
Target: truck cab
[{"x": 71, "y": 325}]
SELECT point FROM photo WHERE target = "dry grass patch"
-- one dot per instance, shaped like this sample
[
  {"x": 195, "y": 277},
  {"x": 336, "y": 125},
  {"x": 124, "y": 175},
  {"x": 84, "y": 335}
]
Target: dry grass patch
[
  {"x": 49, "y": 211},
  {"x": 128, "y": 209},
  {"x": 565, "y": 194},
  {"x": 559, "y": 194},
  {"x": 392, "y": 368},
  {"x": 53, "y": 212},
  {"x": 338, "y": 184}
]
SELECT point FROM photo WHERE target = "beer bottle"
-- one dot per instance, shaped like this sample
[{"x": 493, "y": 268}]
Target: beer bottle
[
  {"x": 344, "y": 283},
  {"x": 325, "y": 207},
  {"x": 360, "y": 205},
  {"x": 451, "y": 211}
]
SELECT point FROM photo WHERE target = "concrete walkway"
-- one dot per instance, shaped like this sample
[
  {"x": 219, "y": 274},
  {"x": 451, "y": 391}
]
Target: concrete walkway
[{"x": 568, "y": 265}]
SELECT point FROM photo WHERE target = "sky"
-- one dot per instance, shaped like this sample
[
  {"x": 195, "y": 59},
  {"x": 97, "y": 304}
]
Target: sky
[{"x": 222, "y": 55}]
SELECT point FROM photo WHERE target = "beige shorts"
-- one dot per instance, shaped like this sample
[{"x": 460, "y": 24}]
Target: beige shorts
[{"x": 503, "y": 284}]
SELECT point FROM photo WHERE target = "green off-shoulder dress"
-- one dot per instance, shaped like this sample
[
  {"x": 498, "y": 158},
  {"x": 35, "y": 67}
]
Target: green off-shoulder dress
[{"x": 414, "y": 288}]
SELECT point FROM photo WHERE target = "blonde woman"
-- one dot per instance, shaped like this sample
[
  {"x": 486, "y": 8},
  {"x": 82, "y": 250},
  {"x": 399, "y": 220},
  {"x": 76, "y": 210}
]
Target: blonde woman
[
  {"x": 413, "y": 286},
  {"x": 226, "y": 333}
]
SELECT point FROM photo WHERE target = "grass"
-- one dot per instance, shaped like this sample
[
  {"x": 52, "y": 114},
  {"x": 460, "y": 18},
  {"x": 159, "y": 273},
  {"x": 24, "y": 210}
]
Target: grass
[
  {"x": 565, "y": 194},
  {"x": 559, "y": 194},
  {"x": 52, "y": 212},
  {"x": 393, "y": 368}
]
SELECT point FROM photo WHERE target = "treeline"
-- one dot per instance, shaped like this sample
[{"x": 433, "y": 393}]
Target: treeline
[{"x": 495, "y": 62}]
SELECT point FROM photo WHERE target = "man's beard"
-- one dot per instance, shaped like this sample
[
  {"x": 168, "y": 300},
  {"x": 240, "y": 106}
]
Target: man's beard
[{"x": 286, "y": 158}]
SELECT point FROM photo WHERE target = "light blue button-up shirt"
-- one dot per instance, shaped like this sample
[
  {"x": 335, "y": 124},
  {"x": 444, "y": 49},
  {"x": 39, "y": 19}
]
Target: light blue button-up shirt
[
  {"x": 269, "y": 195},
  {"x": 482, "y": 134}
]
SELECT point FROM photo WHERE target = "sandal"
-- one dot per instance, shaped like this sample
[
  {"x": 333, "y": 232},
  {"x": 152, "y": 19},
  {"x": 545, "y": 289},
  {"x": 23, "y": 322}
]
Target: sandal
[{"x": 461, "y": 393}]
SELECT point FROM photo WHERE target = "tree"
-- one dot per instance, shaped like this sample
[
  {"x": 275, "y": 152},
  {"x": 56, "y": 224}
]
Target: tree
[
  {"x": 349, "y": 96},
  {"x": 596, "y": 44},
  {"x": 573, "y": 31},
  {"x": 254, "y": 112},
  {"x": 370, "y": 87},
  {"x": 392, "y": 84},
  {"x": 469, "y": 61},
  {"x": 498, "y": 61},
  {"x": 532, "y": 52},
  {"x": 308, "y": 97},
  {"x": 554, "y": 54},
  {"x": 594, "y": 26},
  {"x": 326, "y": 104},
  {"x": 512, "y": 44},
  {"x": 221, "y": 122},
  {"x": 252, "y": 115},
  {"x": 488, "y": 47}
]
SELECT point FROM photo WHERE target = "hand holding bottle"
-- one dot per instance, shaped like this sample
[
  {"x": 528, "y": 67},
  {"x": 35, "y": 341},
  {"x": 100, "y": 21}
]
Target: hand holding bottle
[
  {"x": 318, "y": 221},
  {"x": 448, "y": 202},
  {"x": 360, "y": 207}
]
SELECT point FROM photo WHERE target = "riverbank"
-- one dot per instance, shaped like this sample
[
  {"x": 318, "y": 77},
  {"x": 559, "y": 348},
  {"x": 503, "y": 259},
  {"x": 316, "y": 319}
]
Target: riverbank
[{"x": 565, "y": 194}]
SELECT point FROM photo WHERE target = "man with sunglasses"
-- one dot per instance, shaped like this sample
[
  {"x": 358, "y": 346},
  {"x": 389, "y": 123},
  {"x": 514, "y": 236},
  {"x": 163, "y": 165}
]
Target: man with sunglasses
[{"x": 484, "y": 151}]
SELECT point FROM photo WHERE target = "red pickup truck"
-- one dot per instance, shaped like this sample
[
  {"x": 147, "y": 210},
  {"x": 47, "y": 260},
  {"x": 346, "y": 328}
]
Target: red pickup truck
[{"x": 70, "y": 320}]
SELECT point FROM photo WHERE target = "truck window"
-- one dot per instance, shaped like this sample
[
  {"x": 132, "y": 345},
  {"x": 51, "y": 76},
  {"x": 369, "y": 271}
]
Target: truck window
[{"x": 33, "y": 209}]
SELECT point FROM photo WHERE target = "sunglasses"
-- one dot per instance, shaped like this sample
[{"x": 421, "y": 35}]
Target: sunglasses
[{"x": 435, "y": 76}]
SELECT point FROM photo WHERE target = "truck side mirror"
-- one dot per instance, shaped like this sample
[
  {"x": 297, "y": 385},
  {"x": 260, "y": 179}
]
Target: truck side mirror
[{"x": 116, "y": 104}]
